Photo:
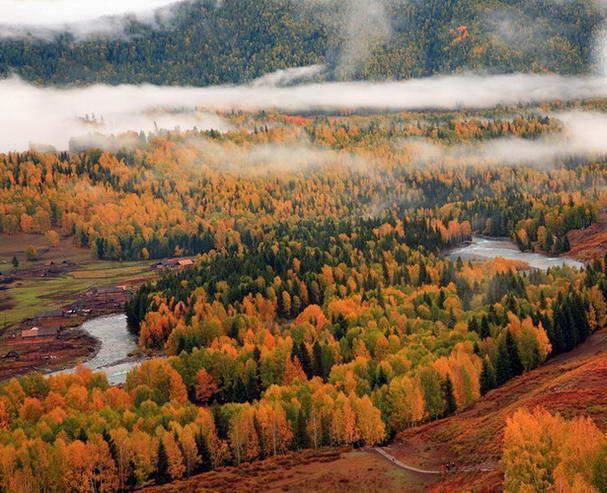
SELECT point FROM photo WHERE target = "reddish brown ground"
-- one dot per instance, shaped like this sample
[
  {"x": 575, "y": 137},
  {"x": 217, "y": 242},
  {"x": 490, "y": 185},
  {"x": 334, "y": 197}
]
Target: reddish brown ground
[
  {"x": 331, "y": 471},
  {"x": 49, "y": 306},
  {"x": 572, "y": 384},
  {"x": 44, "y": 353},
  {"x": 19, "y": 355},
  {"x": 591, "y": 242}
]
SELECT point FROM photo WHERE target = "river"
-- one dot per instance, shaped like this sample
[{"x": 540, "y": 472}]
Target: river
[
  {"x": 117, "y": 342},
  {"x": 481, "y": 248},
  {"x": 116, "y": 345}
]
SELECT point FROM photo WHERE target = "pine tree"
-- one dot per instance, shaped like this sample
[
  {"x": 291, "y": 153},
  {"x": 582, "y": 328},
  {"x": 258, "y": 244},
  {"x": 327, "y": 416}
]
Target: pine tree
[
  {"x": 487, "y": 378},
  {"x": 515, "y": 361},
  {"x": 304, "y": 359},
  {"x": 473, "y": 325},
  {"x": 503, "y": 367},
  {"x": 382, "y": 378},
  {"x": 317, "y": 359},
  {"x": 449, "y": 396},
  {"x": 301, "y": 436},
  {"x": 485, "y": 330},
  {"x": 162, "y": 465},
  {"x": 203, "y": 451}
]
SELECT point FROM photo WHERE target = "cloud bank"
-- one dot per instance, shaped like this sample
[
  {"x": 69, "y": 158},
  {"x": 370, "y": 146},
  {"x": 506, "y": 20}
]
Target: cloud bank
[
  {"x": 52, "y": 116},
  {"x": 583, "y": 136}
]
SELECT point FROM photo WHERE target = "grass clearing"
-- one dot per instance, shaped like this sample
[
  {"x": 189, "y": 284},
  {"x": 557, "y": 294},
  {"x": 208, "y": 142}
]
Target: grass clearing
[{"x": 33, "y": 294}]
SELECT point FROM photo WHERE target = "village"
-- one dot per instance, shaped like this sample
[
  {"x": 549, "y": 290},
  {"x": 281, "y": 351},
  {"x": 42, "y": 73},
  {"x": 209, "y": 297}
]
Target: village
[{"x": 51, "y": 337}]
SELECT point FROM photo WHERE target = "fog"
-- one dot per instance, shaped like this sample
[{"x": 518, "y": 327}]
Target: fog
[
  {"x": 48, "y": 116},
  {"x": 262, "y": 159},
  {"x": 364, "y": 26},
  {"x": 52, "y": 116},
  {"x": 82, "y": 18},
  {"x": 583, "y": 136}
]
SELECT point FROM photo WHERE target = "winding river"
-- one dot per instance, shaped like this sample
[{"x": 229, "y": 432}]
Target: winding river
[
  {"x": 116, "y": 345},
  {"x": 117, "y": 342},
  {"x": 481, "y": 248}
]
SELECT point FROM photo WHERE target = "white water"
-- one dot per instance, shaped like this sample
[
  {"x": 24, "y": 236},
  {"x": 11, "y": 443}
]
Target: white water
[
  {"x": 116, "y": 345},
  {"x": 485, "y": 248}
]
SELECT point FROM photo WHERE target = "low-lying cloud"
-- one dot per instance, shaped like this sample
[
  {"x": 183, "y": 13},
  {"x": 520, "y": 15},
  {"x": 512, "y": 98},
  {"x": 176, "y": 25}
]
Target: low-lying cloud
[
  {"x": 82, "y": 18},
  {"x": 262, "y": 159},
  {"x": 583, "y": 136},
  {"x": 52, "y": 116}
]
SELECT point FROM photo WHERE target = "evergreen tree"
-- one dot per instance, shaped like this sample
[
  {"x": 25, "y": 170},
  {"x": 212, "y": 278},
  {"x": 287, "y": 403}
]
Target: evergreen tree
[
  {"x": 449, "y": 396},
  {"x": 304, "y": 359},
  {"x": 203, "y": 451},
  {"x": 515, "y": 361},
  {"x": 382, "y": 378},
  {"x": 473, "y": 325},
  {"x": 487, "y": 378},
  {"x": 485, "y": 330},
  {"x": 301, "y": 435},
  {"x": 162, "y": 465},
  {"x": 317, "y": 359},
  {"x": 503, "y": 367}
]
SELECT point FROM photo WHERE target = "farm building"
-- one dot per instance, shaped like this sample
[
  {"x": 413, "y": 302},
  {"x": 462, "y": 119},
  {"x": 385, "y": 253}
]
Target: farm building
[{"x": 35, "y": 332}]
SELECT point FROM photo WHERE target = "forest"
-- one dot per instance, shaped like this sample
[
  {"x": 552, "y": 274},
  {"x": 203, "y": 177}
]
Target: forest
[
  {"x": 322, "y": 309},
  {"x": 303, "y": 245},
  {"x": 207, "y": 42}
]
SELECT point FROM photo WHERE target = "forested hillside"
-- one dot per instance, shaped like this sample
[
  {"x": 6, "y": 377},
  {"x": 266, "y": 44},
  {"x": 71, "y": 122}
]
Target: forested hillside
[{"x": 237, "y": 40}]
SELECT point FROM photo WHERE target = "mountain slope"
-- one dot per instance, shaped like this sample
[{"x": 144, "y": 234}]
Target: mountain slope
[
  {"x": 237, "y": 40},
  {"x": 572, "y": 384}
]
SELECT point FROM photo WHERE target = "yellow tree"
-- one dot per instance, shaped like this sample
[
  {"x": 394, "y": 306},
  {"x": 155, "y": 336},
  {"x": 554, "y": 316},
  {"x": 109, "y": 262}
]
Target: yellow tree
[
  {"x": 274, "y": 431},
  {"x": 405, "y": 402},
  {"x": 243, "y": 436}
]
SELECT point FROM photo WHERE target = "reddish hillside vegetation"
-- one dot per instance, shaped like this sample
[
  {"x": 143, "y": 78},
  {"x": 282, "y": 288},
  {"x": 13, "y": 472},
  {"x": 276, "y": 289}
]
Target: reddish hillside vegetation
[
  {"x": 571, "y": 384},
  {"x": 590, "y": 242}
]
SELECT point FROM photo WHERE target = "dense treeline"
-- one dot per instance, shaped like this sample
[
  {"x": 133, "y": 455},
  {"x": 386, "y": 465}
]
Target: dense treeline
[
  {"x": 211, "y": 42},
  {"x": 156, "y": 200},
  {"x": 249, "y": 379}
]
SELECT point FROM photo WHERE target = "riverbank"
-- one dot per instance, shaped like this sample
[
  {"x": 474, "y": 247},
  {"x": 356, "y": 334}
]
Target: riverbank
[
  {"x": 485, "y": 248},
  {"x": 117, "y": 349},
  {"x": 61, "y": 342},
  {"x": 56, "y": 292}
]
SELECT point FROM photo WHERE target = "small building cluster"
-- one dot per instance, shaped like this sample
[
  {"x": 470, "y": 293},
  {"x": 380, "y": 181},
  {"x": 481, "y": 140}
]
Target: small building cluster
[{"x": 175, "y": 263}]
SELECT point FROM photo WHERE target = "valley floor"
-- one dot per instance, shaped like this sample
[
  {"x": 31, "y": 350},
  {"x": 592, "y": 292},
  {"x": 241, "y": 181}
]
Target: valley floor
[{"x": 56, "y": 292}]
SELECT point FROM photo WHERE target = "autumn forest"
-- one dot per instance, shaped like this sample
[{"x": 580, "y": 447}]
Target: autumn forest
[{"x": 311, "y": 277}]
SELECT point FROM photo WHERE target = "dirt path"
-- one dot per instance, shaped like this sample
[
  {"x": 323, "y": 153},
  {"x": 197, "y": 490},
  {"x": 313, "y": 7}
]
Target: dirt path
[{"x": 402, "y": 465}]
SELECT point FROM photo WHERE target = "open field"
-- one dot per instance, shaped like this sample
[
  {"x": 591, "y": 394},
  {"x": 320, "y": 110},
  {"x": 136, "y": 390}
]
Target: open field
[
  {"x": 42, "y": 288},
  {"x": 330, "y": 471},
  {"x": 35, "y": 290}
]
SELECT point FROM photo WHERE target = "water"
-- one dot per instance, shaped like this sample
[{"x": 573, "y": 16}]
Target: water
[
  {"x": 485, "y": 248},
  {"x": 116, "y": 344}
]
